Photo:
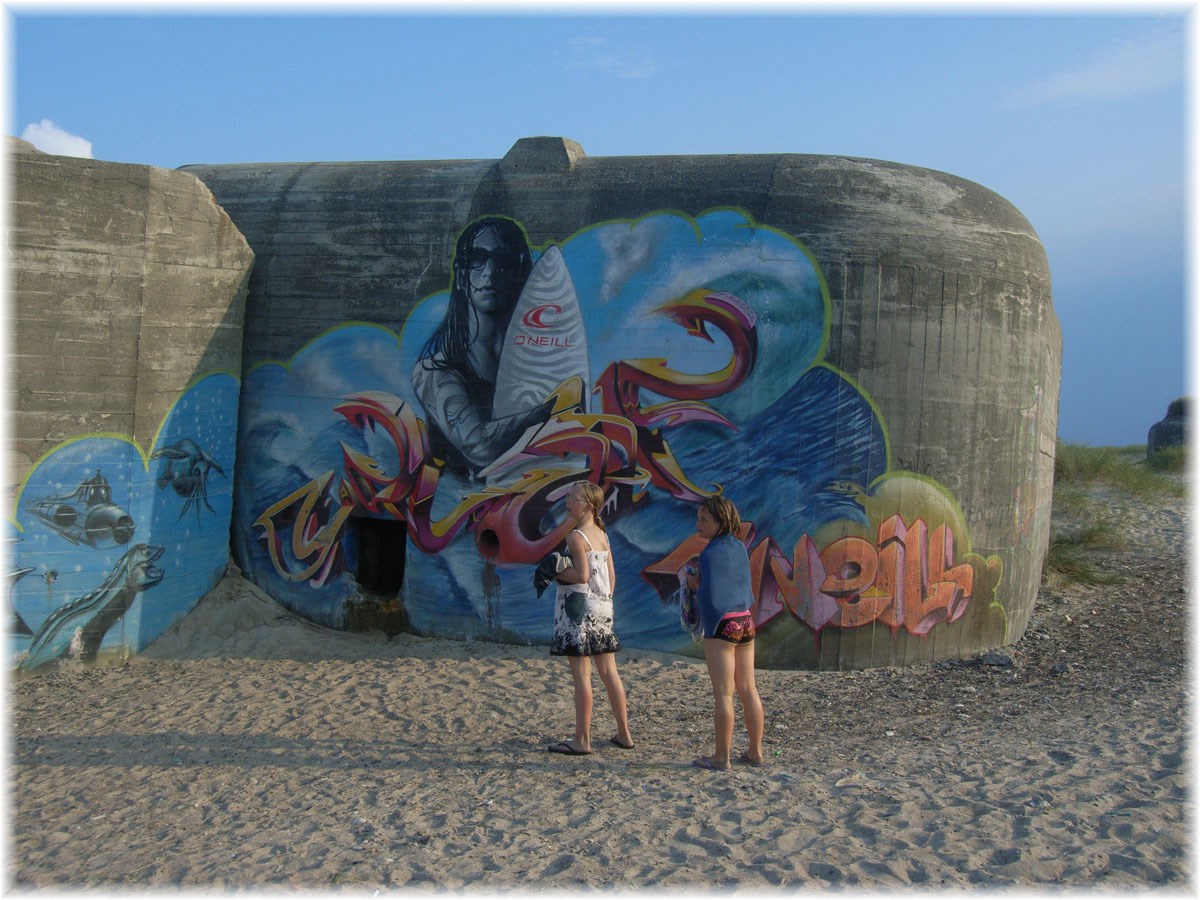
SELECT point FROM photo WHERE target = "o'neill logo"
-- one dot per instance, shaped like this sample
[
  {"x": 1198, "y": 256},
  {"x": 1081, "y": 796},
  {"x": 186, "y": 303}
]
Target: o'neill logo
[{"x": 533, "y": 318}]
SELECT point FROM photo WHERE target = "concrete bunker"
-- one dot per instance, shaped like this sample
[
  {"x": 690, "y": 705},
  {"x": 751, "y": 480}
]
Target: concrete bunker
[
  {"x": 862, "y": 354},
  {"x": 128, "y": 292}
]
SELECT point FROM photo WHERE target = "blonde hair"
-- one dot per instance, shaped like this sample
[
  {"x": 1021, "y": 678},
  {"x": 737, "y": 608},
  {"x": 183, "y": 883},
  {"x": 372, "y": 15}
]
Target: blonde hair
[
  {"x": 595, "y": 499},
  {"x": 724, "y": 513}
]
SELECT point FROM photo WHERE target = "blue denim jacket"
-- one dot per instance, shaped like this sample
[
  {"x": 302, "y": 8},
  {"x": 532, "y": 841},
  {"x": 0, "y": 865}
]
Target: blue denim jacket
[{"x": 724, "y": 581}]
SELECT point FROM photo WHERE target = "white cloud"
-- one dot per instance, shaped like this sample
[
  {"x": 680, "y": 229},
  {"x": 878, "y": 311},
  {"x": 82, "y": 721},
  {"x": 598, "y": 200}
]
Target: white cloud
[
  {"x": 594, "y": 54},
  {"x": 1138, "y": 66},
  {"x": 49, "y": 138}
]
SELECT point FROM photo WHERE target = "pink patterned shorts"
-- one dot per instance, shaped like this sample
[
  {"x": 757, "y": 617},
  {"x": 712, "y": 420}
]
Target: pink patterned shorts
[{"x": 737, "y": 628}]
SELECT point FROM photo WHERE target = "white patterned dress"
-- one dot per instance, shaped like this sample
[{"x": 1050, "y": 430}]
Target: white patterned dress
[{"x": 583, "y": 613}]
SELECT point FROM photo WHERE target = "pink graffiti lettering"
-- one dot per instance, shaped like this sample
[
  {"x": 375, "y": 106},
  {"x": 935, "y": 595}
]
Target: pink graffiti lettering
[{"x": 907, "y": 579}]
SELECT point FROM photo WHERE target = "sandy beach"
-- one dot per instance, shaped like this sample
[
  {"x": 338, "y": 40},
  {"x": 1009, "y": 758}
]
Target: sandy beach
[{"x": 249, "y": 750}]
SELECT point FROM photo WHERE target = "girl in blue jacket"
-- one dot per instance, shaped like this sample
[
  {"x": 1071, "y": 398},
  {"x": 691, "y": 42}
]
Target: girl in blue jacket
[{"x": 723, "y": 596}]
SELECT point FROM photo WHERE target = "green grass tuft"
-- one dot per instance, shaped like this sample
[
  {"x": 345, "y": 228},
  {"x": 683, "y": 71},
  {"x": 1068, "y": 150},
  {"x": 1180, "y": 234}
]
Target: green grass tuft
[
  {"x": 1113, "y": 466},
  {"x": 1169, "y": 461},
  {"x": 1081, "y": 524},
  {"x": 1065, "y": 563},
  {"x": 1074, "y": 501},
  {"x": 1099, "y": 536},
  {"x": 1081, "y": 463}
]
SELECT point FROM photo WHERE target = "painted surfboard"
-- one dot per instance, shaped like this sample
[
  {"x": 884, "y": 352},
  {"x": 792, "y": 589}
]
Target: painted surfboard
[{"x": 545, "y": 344}]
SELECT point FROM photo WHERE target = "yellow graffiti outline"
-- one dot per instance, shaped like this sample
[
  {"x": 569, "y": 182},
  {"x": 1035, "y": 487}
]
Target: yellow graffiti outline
[{"x": 143, "y": 454}]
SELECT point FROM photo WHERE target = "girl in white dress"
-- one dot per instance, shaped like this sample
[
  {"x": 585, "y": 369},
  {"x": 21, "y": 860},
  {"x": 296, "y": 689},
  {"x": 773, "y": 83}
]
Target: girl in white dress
[{"x": 583, "y": 619}]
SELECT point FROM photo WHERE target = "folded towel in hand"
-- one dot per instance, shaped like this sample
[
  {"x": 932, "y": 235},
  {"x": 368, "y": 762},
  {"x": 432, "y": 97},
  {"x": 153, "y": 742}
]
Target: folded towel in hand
[{"x": 547, "y": 569}]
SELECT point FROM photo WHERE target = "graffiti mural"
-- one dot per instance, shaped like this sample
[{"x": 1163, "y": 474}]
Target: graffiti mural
[
  {"x": 664, "y": 359},
  {"x": 87, "y": 515},
  {"x": 112, "y": 544},
  {"x": 186, "y": 471}
]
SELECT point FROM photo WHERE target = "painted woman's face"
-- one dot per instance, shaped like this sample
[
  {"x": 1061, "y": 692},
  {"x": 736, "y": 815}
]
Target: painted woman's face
[
  {"x": 706, "y": 525},
  {"x": 490, "y": 270}
]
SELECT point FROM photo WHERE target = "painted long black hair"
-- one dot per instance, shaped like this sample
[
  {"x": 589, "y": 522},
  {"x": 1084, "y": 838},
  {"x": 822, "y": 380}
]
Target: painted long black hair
[{"x": 453, "y": 337}]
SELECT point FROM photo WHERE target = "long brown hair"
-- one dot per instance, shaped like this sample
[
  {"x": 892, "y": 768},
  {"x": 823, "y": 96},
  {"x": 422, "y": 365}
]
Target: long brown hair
[
  {"x": 724, "y": 513},
  {"x": 595, "y": 499}
]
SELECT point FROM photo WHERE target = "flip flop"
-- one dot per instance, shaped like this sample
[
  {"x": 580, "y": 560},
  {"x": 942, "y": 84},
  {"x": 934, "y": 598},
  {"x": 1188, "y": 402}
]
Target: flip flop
[
  {"x": 565, "y": 748},
  {"x": 746, "y": 760},
  {"x": 613, "y": 740},
  {"x": 703, "y": 762}
]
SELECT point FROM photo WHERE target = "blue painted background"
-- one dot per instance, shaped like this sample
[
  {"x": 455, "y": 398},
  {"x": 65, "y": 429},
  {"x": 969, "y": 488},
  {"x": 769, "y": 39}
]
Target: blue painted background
[{"x": 50, "y": 571}]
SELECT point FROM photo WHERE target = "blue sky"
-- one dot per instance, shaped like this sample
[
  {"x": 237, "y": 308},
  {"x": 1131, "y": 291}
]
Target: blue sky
[{"x": 1077, "y": 117}]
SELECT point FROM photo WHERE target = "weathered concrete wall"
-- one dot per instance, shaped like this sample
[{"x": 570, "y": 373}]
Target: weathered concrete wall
[
  {"x": 128, "y": 293},
  {"x": 886, "y": 419}
]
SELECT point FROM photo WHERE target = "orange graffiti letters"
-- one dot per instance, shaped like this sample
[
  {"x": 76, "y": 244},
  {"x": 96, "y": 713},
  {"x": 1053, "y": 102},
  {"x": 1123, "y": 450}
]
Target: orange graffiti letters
[{"x": 907, "y": 579}]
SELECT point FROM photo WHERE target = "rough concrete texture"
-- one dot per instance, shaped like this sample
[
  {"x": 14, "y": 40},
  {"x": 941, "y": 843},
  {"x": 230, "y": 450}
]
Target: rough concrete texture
[
  {"x": 128, "y": 294},
  {"x": 940, "y": 311},
  {"x": 128, "y": 282}
]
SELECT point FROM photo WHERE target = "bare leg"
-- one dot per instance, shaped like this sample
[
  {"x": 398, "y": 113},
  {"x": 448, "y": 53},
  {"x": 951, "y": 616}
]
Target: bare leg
[
  {"x": 719, "y": 656},
  {"x": 606, "y": 666},
  {"x": 581, "y": 672},
  {"x": 747, "y": 691}
]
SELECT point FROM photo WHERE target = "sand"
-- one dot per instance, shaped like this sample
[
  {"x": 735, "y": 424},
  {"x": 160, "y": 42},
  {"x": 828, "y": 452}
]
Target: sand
[{"x": 249, "y": 750}]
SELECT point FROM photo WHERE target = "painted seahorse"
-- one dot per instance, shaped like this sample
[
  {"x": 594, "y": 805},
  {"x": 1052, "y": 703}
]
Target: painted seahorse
[{"x": 96, "y": 611}]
